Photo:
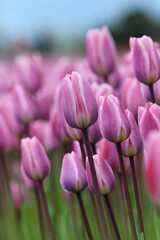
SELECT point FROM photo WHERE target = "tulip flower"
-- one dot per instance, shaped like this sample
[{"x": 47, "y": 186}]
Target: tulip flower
[
  {"x": 148, "y": 119},
  {"x": 34, "y": 159},
  {"x": 105, "y": 176},
  {"x": 18, "y": 193},
  {"x": 113, "y": 122},
  {"x": 146, "y": 61},
  {"x": 25, "y": 107},
  {"x": 29, "y": 71},
  {"x": 133, "y": 144},
  {"x": 79, "y": 103},
  {"x": 131, "y": 89},
  {"x": 101, "y": 51},
  {"x": 73, "y": 175},
  {"x": 108, "y": 151},
  {"x": 43, "y": 131},
  {"x": 152, "y": 165}
]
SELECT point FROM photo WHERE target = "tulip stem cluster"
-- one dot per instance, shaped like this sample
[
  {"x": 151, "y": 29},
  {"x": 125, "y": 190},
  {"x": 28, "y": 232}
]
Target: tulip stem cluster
[
  {"x": 43, "y": 197},
  {"x": 95, "y": 181},
  {"x": 84, "y": 215},
  {"x": 124, "y": 213},
  {"x": 126, "y": 190},
  {"x": 135, "y": 185},
  {"x": 112, "y": 217}
]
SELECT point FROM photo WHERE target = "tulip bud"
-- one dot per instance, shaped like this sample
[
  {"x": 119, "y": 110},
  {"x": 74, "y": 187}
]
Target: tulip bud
[
  {"x": 113, "y": 122},
  {"x": 43, "y": 131},
  {"x": 34, "y": 159},
  {"x": 131, "y": 89},
  {"x": 73, "y": 175},
  {"x": 25, "y": 108},
  {"x": 108, "y": 151},
  {"x": 148, "y": 119},
  {"x": 152, "y": 165},
  {"x": 101, "y": 51},
  {"x": 133, "y": 144},
  {"x": 79, "y": 103},
  {"x": 105, "y": 176},
  {"x": 18, "y": 194},
  {"x": 29, "y": 71},
  {"x": 146, "y": 61}
]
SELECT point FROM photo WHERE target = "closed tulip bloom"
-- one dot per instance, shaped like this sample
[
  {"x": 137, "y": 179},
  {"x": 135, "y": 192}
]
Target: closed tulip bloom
[
  {"x": 73, "y": 175},
  {"x": 25, "y": 107},
  {"x": 34, "y": 159},
  {"x": 146, "y": 61},
  {"x": 148, "y": 119},
  {"x": 113, "y": 122},
  {"x": 101, "y": 51},
  {"x": 79, "y": 103},
  {"x": 108, "y": 151},
  {"x": 18, "y": 193},
  {"x": 133, "y": 144},
  {"x": 131, "y": 89},
  {"x": 105, "y": 176},
  {"x": 152, "y": 165},
  {"x": 29, "y": 71},
  {"x": 103, "y": 89},
  {"x": 43, "y": 131}
]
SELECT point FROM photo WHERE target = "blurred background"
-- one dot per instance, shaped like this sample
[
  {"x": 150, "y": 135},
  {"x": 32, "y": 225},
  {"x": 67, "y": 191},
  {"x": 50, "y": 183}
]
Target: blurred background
[{"x": 60, "y": 26}]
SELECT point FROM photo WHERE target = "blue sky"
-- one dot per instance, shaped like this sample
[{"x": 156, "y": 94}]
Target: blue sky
[{"x": 65, "y": 17}]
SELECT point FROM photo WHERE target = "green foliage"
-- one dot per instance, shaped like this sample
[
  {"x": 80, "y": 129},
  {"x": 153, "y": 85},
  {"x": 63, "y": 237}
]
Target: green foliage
[{"x": 66, "y": 215}]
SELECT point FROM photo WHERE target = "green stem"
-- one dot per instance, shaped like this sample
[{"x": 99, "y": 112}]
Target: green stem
[
  {"x": 93, "y": 202},
  {"x": 135, "y": 185},
  {"x": 84, "y": 215},
  {"x": 40, "y": 214},
  {"x": 50, "y": 227},
  {"x": 151, "y": 90},
  {"x": 112, "y": 217},
  {"x": 93, "y": 145},
  {"x": 95, "y": 182},
  {"x": 82, "y": 152},
  {"x": 126, "y": 190},
  {"x": 123, "y": 209}
]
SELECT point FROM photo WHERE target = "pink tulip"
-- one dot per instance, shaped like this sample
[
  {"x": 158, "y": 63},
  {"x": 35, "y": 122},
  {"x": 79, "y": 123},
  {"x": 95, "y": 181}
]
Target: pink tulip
[
  {"x": 101, "y": 51},
  {"x": 79, "y": 103},
  {"x": 148, "y": 119},
  {"x": 105, "y": 176},
  {"x": 133, "y": 144},
  {"x": 113, "y": 122},
  {"x": 25, "y": 108},
  {"x": 34, "y": 159},
  {"x": 152, "y": 165},
  {"x": 146, "y": 61},
  {"x": 131, "y": 95},
  {"x": 73, "y": 175},
  {"x": 108, "y": 151},
  {"x": 43, "y": 131},
  {"x": 29, "y": 71}
]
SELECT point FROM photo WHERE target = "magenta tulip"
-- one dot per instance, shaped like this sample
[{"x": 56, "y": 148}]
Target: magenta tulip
[{"x": 34, "y": 159}]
